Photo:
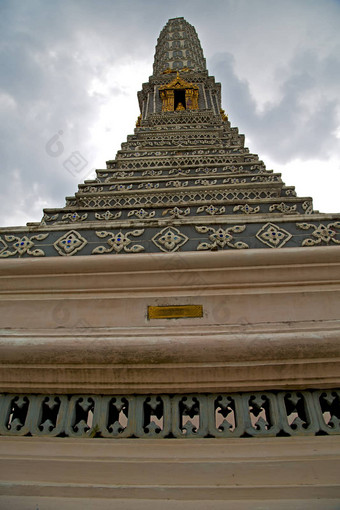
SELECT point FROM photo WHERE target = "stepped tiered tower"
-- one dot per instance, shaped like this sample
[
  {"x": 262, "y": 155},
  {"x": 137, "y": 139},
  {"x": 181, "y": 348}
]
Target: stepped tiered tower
[
  {"x": 183, "y": 182},
  {"x": 185, "y": 293}
]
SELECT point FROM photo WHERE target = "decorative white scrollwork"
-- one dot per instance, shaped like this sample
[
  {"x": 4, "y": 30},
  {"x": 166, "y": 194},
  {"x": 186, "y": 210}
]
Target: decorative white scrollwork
[
  {"x": 22, "y": 246},
  {"x": 211, "y": 209},
  {"x": 3, "y": 245},
  {"x": 175, "y": 212},
  {"x": 47, "y": 218},
  {"x": 74, "y": 217},
  {"x": 119, "y": 242},
  {"x": 247, "y": 209},
  {"x": 321, "y": 234},
  {"x": 141, "y": 214},
  {"x": 107, "y": 215},
  {"x": 284, "y": 208},
  {"x": 307, "y": 206},
  {"x": 220, "y": 237},
  {"x": 121, "y": 187},
  {"x": 148, "y": 185}
]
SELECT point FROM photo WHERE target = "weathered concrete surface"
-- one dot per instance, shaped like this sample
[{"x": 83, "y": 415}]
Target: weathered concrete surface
[{"x": 236, "y": 473}]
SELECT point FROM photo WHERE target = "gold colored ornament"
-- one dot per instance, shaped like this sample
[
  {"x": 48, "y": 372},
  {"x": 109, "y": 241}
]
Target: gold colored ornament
[
  {"x": 168, "y": 92},
  {"x": 175, "y": 312},
  {"x": 223, "y": 115}
]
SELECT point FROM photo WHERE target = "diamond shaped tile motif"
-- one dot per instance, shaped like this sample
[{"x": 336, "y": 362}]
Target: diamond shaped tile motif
[
  {"x": 70, "y": 243},
  {"x": 273, "y": 236},
  {"x": 186, "y": 169},
  {"x": 169, "y": 239}
]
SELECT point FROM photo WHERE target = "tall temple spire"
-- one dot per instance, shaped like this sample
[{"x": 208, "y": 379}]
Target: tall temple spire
[
  {"x": 184, "y": 181},
  {"x": 178, "y": 47},
  {"x": 156, "y": 337},
  {"x": 179, "y": 74}
]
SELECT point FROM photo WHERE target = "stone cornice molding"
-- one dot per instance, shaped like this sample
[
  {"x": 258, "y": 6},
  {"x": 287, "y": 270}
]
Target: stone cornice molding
[{"x": 270, "y": 321}]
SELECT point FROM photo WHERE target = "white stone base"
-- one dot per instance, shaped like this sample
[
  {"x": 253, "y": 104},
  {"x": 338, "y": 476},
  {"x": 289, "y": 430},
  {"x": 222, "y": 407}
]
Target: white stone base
[
  {"x": 55, "y": 473},
  {"x": 80, "y": 325}
]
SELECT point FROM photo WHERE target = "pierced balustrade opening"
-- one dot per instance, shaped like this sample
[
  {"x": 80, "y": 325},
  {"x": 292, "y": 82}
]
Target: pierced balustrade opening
[{"x": 252, "y": 414}]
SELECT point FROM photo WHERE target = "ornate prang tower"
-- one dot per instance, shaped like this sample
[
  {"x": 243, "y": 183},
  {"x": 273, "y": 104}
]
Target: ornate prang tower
[
  {"x": 183, "y": 182},
  {"x": 185, "y": 297}
]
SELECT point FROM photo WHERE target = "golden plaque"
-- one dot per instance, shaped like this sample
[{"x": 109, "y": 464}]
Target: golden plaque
[{"x": 175, "y": 312}]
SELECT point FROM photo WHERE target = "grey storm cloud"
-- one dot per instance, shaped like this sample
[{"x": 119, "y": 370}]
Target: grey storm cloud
[
  {"x": 293, "y": 127},
  {"x": 49, "y": 53}
]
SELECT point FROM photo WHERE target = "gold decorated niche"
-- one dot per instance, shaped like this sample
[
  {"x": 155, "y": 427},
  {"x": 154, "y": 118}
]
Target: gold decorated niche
[{"x": 179, "y": 95}]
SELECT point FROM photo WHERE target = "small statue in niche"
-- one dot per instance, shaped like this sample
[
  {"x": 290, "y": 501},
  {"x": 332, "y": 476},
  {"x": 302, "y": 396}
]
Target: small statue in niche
[{"x": 180, "y": 107}]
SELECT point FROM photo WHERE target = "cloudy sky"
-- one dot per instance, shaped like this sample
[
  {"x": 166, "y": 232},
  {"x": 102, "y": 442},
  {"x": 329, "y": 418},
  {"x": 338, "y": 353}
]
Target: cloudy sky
[{"x": 70, "y": 71}]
